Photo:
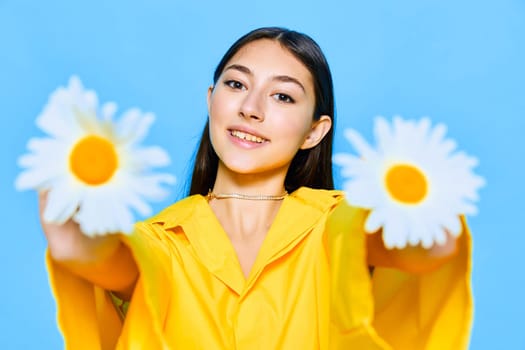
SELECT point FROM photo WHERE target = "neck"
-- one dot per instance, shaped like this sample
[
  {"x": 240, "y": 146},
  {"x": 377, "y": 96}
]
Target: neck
[
  {"x": 261, "y": 184},
  {"x": 261, "y": 197},
  {"x": 245, "y": 218}
]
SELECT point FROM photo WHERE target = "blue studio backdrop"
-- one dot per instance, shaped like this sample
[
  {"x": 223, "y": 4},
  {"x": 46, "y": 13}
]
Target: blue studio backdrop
[{"x": 459, "y": 62}]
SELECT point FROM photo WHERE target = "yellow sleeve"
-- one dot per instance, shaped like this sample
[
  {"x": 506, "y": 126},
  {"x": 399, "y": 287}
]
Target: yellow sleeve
[
  {"x": 351, "y": 302},
  {"x": 426, "y": 311},
  {"x": 86, "y": 315},
  {"x": 392, "y": 309}
]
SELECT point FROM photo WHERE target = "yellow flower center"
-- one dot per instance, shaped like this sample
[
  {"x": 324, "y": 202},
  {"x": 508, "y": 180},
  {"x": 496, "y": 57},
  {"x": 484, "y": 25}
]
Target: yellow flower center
[
  {"x": 406, "y": 183},
  {"x": 93, "y": 160}
]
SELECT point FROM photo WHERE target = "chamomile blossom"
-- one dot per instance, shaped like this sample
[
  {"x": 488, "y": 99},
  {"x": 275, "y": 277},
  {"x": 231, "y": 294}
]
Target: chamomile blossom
[
  {"x": 92, "y": 166},
  {"x": 414, "y": 182}
]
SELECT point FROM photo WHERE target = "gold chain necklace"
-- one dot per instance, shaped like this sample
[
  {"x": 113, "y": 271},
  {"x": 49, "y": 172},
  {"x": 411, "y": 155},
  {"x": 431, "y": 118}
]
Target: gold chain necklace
[{"x": 258, "y": 197}]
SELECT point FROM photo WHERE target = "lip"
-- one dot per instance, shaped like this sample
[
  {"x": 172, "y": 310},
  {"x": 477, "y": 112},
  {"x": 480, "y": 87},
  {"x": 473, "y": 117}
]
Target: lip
[
  {"x": 245, "y": 143},
  {"x": 247, "y": 131}
]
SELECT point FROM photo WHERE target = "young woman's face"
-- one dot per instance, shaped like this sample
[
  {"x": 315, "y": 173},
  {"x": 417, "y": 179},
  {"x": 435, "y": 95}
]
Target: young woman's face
[{"x": 261, "y": 109}]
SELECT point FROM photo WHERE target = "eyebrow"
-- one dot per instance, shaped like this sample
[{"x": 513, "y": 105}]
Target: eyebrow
[{"x": 282, "y": 78}]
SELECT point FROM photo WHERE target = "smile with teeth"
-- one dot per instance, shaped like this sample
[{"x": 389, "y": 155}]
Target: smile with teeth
[{"x": 245, "y": 136}]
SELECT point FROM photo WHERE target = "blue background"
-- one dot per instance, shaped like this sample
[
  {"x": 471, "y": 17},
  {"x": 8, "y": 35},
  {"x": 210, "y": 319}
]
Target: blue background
[{"x": 459, "y": 62}]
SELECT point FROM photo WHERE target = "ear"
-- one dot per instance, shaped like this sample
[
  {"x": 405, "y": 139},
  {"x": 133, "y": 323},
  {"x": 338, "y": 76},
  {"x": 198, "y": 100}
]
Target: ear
[
  {"x": 208, "y": 97},
  {"x": 319, "y": 129}
]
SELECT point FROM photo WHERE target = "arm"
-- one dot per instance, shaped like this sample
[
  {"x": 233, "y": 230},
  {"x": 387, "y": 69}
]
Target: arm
[
  {"x": 104, "y": 261},
  {"x": 430, "y": 290}
]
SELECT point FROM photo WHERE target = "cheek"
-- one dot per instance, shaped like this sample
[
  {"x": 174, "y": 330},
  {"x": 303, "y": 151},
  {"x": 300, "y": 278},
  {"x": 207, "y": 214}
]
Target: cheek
[
  {"x": 295, "y": 127},
  {"x": 221, "y": 107},
  {"x": 215, "y": 133}
]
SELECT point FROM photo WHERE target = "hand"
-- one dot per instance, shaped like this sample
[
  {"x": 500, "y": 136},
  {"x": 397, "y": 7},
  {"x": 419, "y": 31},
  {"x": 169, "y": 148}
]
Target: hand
[
  {"x": 67, "y": 243},
  {"x": 413, "y": 259},
  {"x": 102, "y": 260}
]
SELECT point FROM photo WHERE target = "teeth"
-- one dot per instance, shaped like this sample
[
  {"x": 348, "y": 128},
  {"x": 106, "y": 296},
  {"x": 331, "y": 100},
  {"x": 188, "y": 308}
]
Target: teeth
[{"x": 247, "y": 137}]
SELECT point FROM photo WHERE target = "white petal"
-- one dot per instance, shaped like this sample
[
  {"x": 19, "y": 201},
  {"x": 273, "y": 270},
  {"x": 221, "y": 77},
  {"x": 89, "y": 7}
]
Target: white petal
[
  {"x": 62, "y": 201},
  {"x": 133, "y": 126},
  {"x": 440, "y": 236},
  {"x": 143, "y": 127},
  {"x": 138, "y": 204},
  {"x": 418, "y": 232},
  {"x": 453, "y": 225},
  {"x": 39, "y": 179},
  {"x": 100, "y": 214},
  {"x": 423, "y": 127},
  {"x": 344, "y": 159},
  {"x": 374, "y": 221},
  {"x": 146, "y": 158},
  {"x": 359, "y": 194},
  {"x": 383, "y": 134},
  {"x": 108, "y": 111},
  {"x": 394, "y": 233},
  {"x": 352, "y": 165},
  {"x": 58, "y": 117},
  {"x": 359, "y": 143},
  {"x": 128, "y": 196},
  {"x": 150, "y": 186},
  {"x": 437, "y": 134}
]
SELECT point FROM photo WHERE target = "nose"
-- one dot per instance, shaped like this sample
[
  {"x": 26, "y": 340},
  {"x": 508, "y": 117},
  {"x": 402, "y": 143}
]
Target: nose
[{"x": 252, "y": 106}]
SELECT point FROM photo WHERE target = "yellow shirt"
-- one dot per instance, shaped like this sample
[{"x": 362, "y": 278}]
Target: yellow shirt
[{"x": 309, "y": 288}]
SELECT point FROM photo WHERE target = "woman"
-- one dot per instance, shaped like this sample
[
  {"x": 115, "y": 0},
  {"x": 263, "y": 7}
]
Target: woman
[{"x": 264, "y": 254}]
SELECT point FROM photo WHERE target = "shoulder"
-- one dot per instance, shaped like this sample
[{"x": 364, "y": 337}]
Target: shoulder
[
  {"x": 177, "y": 212},
  {"x": 332, "y": 201},
  {"x": 341, "y": 217},
  {"x": 318, "y": 198},
  {"x": 156, "y": 228}
]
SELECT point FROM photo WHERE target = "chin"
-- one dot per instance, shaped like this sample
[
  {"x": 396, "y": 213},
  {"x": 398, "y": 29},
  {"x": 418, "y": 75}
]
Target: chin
[
  {"x": 250, "y": 167},
  {"x": 243, "y": 169}
]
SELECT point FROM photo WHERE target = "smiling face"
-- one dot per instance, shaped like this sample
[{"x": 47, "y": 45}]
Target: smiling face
[{"x": 261, "y": 110}]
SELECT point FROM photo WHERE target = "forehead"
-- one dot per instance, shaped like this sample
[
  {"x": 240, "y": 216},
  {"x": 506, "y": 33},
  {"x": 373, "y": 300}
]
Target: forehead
[{"x": 265, "y": 56}]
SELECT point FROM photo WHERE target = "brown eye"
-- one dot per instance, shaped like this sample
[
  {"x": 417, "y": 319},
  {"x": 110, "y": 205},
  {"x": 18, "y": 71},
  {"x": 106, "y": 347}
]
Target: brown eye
[
  {"x": 234, "y": 84},
  {"x": 283, "y": 98}
]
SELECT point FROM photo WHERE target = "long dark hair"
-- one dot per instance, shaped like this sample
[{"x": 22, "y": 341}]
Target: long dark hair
[{"x": 310, "y": 167}]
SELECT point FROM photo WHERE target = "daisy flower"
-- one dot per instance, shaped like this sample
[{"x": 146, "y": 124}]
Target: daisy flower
[
  {"x": 93, "y": 167},
  {"x": 414, "y": 182}
]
